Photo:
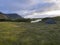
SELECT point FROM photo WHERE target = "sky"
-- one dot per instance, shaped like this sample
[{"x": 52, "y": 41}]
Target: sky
[
  {"x": 53, "y": 13},
  {"x": 24, "y": 7}
]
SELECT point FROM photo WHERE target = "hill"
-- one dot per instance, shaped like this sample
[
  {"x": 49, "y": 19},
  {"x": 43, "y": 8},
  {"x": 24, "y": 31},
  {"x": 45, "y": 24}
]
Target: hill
[
  {"x": 13, "y": 16},
  {"x": 10, "y": 16},
  {"x": 2, "y": 16},
  {"x": 57, "y": 18}
]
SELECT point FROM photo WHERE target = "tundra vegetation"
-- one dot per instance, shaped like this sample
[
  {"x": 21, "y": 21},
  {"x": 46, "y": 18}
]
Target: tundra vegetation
[{"x": 25, "y": 33}]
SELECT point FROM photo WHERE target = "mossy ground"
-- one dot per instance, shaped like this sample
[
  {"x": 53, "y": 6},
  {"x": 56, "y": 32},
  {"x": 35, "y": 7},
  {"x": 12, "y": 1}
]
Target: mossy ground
[{"x": 23, "y": 33}]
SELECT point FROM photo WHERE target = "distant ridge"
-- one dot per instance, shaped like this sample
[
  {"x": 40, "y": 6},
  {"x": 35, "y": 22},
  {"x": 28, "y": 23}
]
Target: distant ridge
[
  {"x": 13, "y": 16},
  {"x": 10, "y": 16},
  {"x": 2, "y": 16}
]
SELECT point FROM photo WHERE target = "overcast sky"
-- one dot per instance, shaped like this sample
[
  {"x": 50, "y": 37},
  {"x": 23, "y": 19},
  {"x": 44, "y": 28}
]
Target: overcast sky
[{"x": 25, "y": 6}]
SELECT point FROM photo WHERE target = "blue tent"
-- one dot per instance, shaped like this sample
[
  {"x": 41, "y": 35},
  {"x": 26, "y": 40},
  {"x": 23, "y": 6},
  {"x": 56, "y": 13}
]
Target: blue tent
[{"x": 50, "y": 21}]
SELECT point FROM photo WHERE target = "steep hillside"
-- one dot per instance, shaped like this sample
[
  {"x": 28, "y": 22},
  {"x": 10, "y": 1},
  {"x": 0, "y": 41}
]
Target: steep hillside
[
  {"x": 2, "y": 16},
  {"x": 10, "y": 16},
  {"x": 13, "y": 16}
]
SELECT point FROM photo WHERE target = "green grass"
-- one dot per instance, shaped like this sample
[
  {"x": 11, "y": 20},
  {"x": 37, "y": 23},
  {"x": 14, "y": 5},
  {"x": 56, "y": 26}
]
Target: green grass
[{"x": 23, "y": 33}]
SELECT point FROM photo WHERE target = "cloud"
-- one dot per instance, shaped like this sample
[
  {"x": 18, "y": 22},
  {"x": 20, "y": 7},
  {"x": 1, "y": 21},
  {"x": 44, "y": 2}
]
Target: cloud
[
  {"x": 44, "y": 14},
  {"x": 51, "y": 10},
  {"x": 57, "y": 4},
  {"x": 18, "y": 4},
  {"x": 25, "y": 12},
  {"x": 41, "y": 7}
]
